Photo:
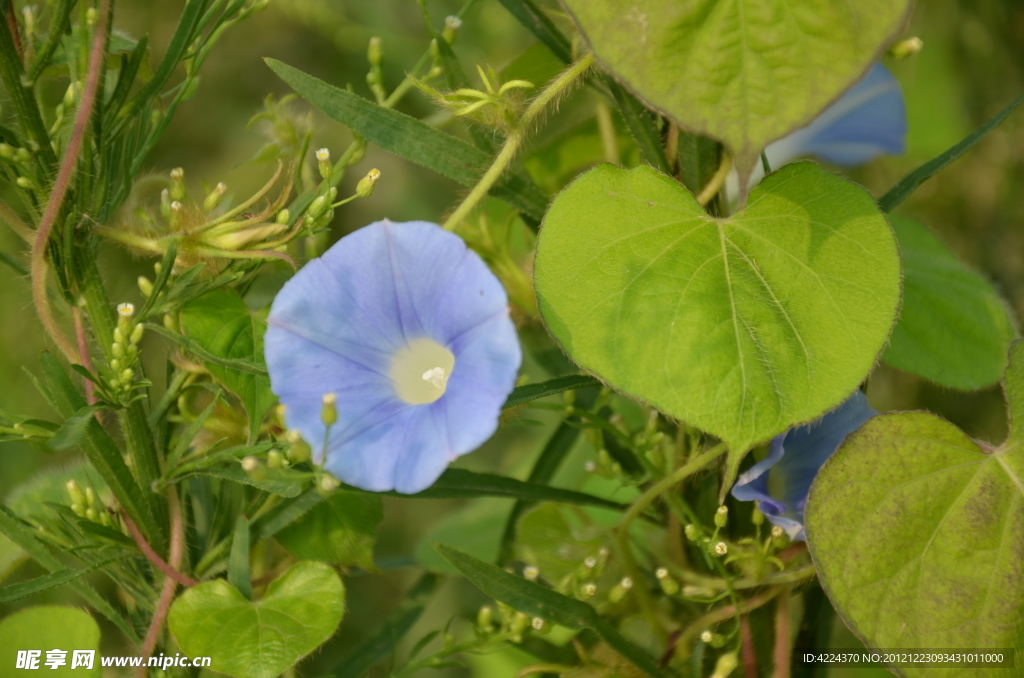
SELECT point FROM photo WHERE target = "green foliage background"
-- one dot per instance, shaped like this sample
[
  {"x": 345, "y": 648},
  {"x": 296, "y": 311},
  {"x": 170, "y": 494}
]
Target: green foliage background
[{"x": 971, "y": 66}]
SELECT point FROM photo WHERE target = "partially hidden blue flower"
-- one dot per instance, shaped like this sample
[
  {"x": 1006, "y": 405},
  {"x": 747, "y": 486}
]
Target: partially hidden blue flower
[
  {"x": 781, "y": 481},
  {"x": 869, "y": 120},
  {"x": 410, "y": 331}
]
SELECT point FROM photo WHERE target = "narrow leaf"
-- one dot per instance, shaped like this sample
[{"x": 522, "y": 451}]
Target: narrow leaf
[
  {"x": 238, "y": 561},
  {"x": 524, "y": 394},
  {"x": 456, "y": 483},
  {"x": 412, "y": 139},
  {"x": 240, "y": 365},
  {"x": 533, "y": 599},
  {"x": 72, "y": 430},
  {"x": 14, "y": 592},
  {"x": 381, "y": 644},
  {"x": 909, "y": 183},
  {"x": 538, "y": 23},
  {"x": 13, "y": 263}
]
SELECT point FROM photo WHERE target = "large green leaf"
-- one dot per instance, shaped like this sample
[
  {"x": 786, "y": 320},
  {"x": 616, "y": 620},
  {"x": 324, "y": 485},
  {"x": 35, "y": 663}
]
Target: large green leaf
[
  {"x": 741, "y": 327},
  {"x": 262, "y": 638},
  {"x": 743, "y": 72},
  {"x": 48, "y": 628},
  {"x": 918, "y": 532},
  {"x": 953, "y": 329},
  {"x": 340, "y": 530},
  {"x": 533, "y": 599},
  {"x": 220, "y": 323}
]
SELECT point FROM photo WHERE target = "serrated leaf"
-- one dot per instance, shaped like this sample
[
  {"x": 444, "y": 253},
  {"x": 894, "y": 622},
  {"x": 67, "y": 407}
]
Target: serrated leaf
[
  {"x": 45, "y": 628},
  {"x": 282, "y": 481},
  {"x": 745, "y": 73},
  {"x": 341, "y": 530},
  {"x": 261, "y": 638},
  {"x": 220, "y": 323},
  {"x": 954, "y": 329},
  {"x": 533, "y": 599},
  {"x": 412, "y": 139},
  {"x": 741, "y": 327},
  {"x": 24, "y": 589},
  {"x": 918, "y": 532}
]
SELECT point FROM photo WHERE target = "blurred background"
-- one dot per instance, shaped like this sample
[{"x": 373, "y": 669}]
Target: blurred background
[{"x": 971, "y": 66}]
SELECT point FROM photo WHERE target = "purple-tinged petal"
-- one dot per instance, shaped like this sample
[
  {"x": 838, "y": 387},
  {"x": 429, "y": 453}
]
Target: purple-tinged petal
[
  {"x": 781, "y": 481},
  {"x": 385, "y": 291}
]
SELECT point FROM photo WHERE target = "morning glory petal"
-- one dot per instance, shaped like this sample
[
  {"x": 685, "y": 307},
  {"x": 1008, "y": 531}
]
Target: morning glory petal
[
  {"x": 410, "y": 331},
  {"x": 781, "y": 481},
  {"x": 868, "y": 121}
]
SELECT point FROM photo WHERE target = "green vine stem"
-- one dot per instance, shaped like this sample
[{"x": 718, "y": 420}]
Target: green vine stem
[
  {"x": 515, "y": 138},
  {"x": 719, "y": 615}
]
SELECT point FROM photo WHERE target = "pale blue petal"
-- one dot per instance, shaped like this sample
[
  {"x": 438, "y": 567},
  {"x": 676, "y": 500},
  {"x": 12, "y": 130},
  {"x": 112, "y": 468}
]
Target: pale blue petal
[
  {"x": 793, "y": 461},
  {"x": 868, "y": 121},
  {"x": 336, "y": 325}
]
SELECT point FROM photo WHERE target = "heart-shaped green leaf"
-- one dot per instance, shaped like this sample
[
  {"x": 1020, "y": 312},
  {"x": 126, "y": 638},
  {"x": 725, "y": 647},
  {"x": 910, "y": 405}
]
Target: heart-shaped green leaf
[
  {"x": 741, "y": 327},
  {"x": 49, "y": 627},
  {"x": 953, "y": 328},
  {"x": 262, "y": 638},
  {"x": 744, "y": 72},
  {"x": 918, "y": 532}
]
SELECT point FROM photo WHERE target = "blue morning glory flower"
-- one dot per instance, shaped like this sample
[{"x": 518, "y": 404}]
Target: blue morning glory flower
[
  {"x": 410, "y": 331},
  {"x": 869, "y": 120},
  {"x": 782, "y": 479}
]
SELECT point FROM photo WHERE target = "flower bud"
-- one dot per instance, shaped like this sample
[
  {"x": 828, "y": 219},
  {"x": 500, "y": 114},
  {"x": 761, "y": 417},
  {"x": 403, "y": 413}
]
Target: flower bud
[
  {"x": 78, "y": 501},
  {"x": 323, "y": 159},
  {"x": 117, "y": 350},
  {"x": 23, "y": 182},
  {"x": 275, "y": 459},
  {"x": 375, "y": 51},
  {"x": 328, "y": 483},
  {"x": 720, "y": 549},
  {"x": 137, "y": 333},
  {"x": 530, "y": 573},
  {"x": 92, "y": 515},
  {"x": 214, "y": 197},
  {"x": 284, "y": 216},
  {"x": 90, "y": 497},
  {"x": 165, "y": 204},
  {"x": 588, "y": 590},
  {"x": 906, "y": 48},
  {"x": 619, "y": 592},
  {"x": 726, "y": 664},
  {"x": 125, "y": 311},
  {"x": 6, "y": 151},
  {"x": 145, "y": 286},
  {"x": 757, "y": 518},
  {"x": 540, "y": 626},
  {"x": 451, "y": 29},
  {"x": 485, "y": 619},
  {"x": 691, "y": 531},
  {"x": 712, "y": 639},
  {"x": 317, "y": 207},
  {"x": 178, "y": 190},
  {"x": 298, "y": 449},
  {"x": 177, "y": 210},
  {"x": 22, "y": 155},
  {"x": 780, "y": 539},
  {"x": 250, "y": 464},
  {"x": 722, "y": 516},
  {"x": 329, "y": 411},
  {"x": 364, "y": 189},
  {"x": 127, "y": 375},
  {"x": 90, "y": 17},
  {"x": 69, "y": 95},
  {"x": 668, "y": 584}
]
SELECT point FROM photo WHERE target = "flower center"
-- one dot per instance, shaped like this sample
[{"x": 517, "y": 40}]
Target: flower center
[{"x": 420, "y": 371}]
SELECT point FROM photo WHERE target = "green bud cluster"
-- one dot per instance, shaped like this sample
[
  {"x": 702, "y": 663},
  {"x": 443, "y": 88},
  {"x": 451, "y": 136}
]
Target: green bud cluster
[
  {"x": 124, "y": 350},
  {"x": 375, "y": 77},
  {"x": 87, "y": 505}
]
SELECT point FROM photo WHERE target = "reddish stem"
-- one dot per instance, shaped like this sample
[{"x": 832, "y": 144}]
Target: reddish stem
[
  {"x": 783, "y": 652},
  {"x": 12, "y": 25},
  {"x": 83, "y": 354},
  {"x": 167, "y": 592},
  {"x": 63, "y": 181},
  {"x": 152, "y": 555},
  {"x": 749, "y": 656}
]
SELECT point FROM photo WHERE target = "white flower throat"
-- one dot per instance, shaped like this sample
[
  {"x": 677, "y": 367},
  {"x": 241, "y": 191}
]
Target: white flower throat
[{"x": 420, "y": 371}]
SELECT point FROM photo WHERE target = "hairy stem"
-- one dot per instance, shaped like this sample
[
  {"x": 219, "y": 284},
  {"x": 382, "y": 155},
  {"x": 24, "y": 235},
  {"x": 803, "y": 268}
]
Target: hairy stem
[
  {"x": 16, "y": 224},
  {"x": 747, "y": 649},
  {"x": 714, "y": 184},
  {"x": 515, "y": 138},
  {"x": 783, "y": 651},
  {"x": 83, "y": 353},
  {"x": 152, "y": 556},
  {"x": 62, "y": 183},
  {"x": 170, "y": 584}
]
